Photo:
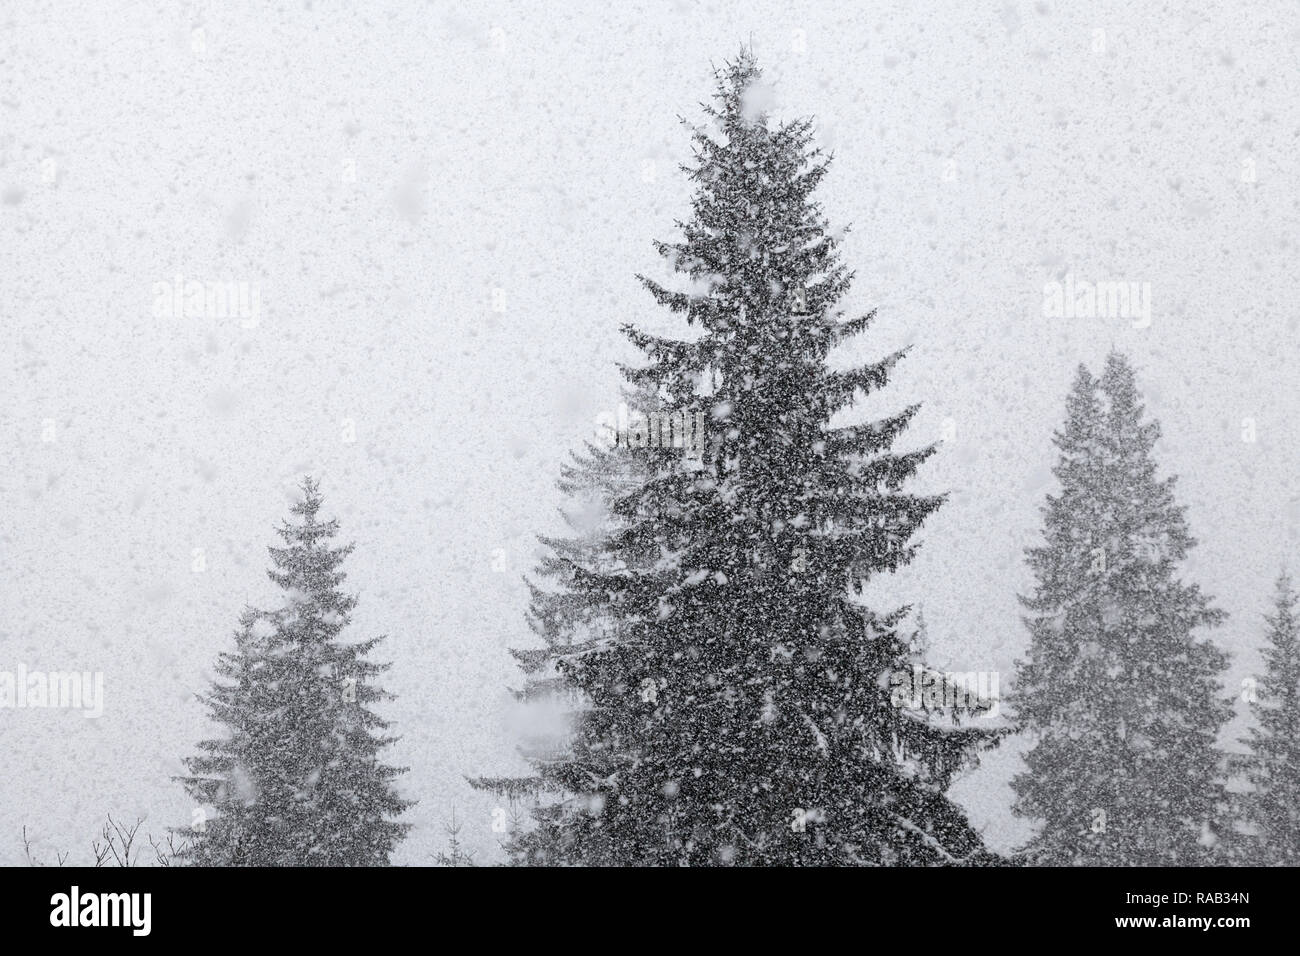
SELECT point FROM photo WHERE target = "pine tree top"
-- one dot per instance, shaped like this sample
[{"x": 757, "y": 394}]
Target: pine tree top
[{"x": 308, "y": 564}]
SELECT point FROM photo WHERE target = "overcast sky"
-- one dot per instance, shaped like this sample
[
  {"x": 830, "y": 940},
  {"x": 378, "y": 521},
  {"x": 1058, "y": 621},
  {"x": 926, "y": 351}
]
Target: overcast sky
[{"x": 374, "y": 177}]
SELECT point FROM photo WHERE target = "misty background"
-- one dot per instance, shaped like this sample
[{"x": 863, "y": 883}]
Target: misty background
[{"x": 377, "y": 173}]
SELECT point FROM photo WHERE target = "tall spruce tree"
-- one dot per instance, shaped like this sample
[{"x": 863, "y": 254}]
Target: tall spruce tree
[
  {"x": 730, "y": 687},
  {"x": 295, "y": 780},
  {"x": 1271, "y": 807},
  {"x": 1118, "y": 691}
]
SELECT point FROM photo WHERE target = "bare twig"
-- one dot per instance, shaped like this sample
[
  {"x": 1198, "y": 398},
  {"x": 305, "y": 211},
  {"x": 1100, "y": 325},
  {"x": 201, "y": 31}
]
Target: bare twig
[
  {"x": 166, "y": 852},
  {"x": 116, "y": 844},
  {"x": 27, "y": 850}
]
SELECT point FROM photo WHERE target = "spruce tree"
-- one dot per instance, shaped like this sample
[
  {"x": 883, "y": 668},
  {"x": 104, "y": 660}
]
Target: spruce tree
[
  {"x": 455, "y": 854},
  {"x": 1119, "y": 692},
  {"x": 1271, "y": 807},
  {"x": 729, "y": 683},
  {"x": 295, "y": 779}
]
